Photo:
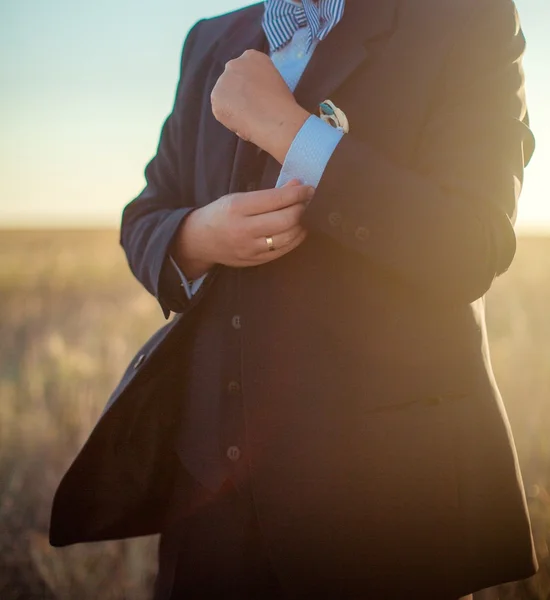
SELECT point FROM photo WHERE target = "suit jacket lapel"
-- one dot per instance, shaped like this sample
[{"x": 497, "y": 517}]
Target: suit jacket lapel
[
  {"x": 248, "y": 34},
  {"x": 345, "y": 49}
]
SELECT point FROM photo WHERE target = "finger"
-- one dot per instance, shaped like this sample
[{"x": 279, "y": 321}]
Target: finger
[
  {"x": 264, "y": 201},
  {"x": 251, "y": 53},
  {"x": 282, "y": 242},
  {"x": 292, "y": 182},
  {"x": 266, "y": 255},
  {"x": 275, "y": 222}
]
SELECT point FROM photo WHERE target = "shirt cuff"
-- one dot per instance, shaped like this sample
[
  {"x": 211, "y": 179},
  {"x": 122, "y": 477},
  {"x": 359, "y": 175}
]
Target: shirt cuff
[
  {"x": 310, "y": 152},
  {"x": 190, "y": 287}
]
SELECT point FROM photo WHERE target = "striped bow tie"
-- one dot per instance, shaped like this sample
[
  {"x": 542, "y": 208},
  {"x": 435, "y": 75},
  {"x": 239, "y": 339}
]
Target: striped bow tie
[{"x": 282, "y": 19}]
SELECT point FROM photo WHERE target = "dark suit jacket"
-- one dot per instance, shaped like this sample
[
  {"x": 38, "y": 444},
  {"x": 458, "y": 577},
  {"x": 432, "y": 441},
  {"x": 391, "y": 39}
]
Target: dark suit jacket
[{"x": 379, "y": 442}]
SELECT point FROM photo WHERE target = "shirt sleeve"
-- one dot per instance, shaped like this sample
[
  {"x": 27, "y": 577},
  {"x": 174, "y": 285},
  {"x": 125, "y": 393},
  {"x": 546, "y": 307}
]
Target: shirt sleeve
[
  {"x": 310, "y": 152},
  {"x": 190, "y": 287}
]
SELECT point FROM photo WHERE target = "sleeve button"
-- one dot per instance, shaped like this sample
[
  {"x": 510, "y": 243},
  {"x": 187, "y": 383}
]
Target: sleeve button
[
  {"x": 362, "y": 233},
  {"x": 335, "y": 219},
  {"x": 234, "y": 387}
]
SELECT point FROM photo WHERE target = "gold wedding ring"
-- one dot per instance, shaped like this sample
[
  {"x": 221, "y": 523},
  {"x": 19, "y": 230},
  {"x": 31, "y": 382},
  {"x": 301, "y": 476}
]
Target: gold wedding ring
[{"x": 270, "y": 244}]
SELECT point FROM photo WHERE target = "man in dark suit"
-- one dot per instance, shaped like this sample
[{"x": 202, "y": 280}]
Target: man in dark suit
[{"x": 320, "y": 419}]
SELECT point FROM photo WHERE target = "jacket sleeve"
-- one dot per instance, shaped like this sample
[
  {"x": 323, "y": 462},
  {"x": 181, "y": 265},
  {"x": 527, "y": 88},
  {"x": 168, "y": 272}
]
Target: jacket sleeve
[
  {"x": 444, "y": 224},
  {"x": 150, "y": 221}
]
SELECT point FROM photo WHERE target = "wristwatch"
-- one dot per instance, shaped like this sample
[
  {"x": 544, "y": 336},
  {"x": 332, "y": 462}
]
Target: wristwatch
[{"x": 334, "y": 116}]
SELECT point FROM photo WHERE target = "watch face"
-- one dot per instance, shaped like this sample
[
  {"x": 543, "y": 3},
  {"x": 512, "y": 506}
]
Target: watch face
[{"x": 334, "y": 116}]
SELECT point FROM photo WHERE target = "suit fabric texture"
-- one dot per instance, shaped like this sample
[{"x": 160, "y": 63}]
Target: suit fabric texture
[{"x": 374, "y": 436}]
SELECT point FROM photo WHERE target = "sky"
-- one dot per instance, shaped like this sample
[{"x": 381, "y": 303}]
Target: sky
[{"x": 87, "y": 85}]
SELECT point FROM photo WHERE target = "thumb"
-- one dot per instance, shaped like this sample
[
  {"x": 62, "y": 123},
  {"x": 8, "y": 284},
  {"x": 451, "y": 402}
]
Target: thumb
[{"x": 292, "y": 183}]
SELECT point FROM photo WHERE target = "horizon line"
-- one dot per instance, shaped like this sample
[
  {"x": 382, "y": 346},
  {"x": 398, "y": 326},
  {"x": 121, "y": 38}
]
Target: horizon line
[{"x": 528, "y": 228}]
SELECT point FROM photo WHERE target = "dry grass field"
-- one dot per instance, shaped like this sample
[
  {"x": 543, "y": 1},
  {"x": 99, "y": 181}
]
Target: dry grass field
[{"x": 71, "y": 316}]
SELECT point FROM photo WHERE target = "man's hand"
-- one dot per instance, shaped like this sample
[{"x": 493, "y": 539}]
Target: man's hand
[
  {"x": 252, "y": 99},
  {"x": 232, "y": 231}
]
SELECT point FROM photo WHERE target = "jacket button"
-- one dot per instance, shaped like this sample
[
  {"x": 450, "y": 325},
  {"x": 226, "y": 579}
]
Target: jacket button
[
  {"x": 362, "y": 233},
  {"x": 236, "y": 322},
  {"x": 234, "y": 387},
  {"x": 335, "y": 219},
  {"x": 139, "y": 361},
  {"x": 233, "y": 453}
]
